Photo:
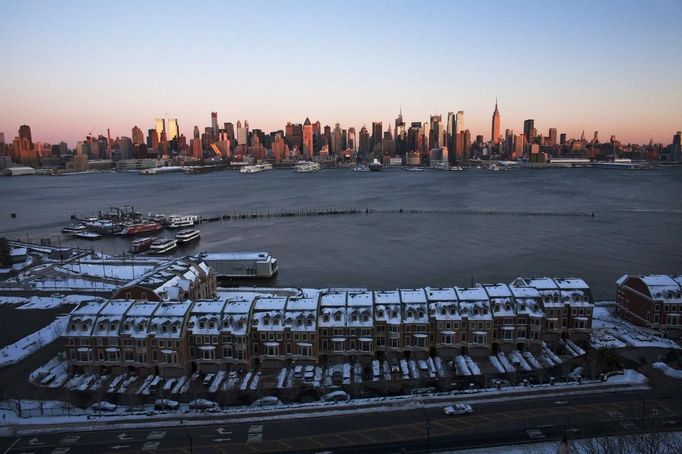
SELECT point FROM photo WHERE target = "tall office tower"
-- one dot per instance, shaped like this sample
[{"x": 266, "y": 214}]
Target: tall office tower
[
  {"x": 528, "y": 127},
  {"x": 173, "y": 132},
  {"x": 459, "y": 122},
  {"x": 413, "y": 136},
  {"x": 677, "y": 146},
  {"x": 326, "y": 137},
  {"x": 317, "y": 132},
  {"x": 495, "y": 130},
  {"x": 278, "y": 147},
  {"x": 25, "y": 133},
  {"x": 518, "y": 145},
  {"x": 214, "y": 123},
  {"x": 552, "y": 137},
  {"x": 435, "y": 131},
  {"x": 308, "y": 144},
  {"x": 377, "y": 132},
  {"x": 466, "y": 155},
  {"x": 336, "y": 140},
  {"x": 229, "y": 129},
  {"x": 152, "y": 139},
  {"x": 562, "y": 138},
  {"x": 450, "y": 131},
  {"x": 595, "y": 139},
  {"x": 399, "y": 125},
  {"x": 352, "y": 141},
  {"x": 138, "y": 137},
  {"x": 2, "y": 138},
  {"x": 509, "y": 142},
  {"x": 363, "y": 142},
  {"x": 160, "y": 126},
  {"x": 196, "y": 133},
  {"x": 242, "y": 133},
  {"x": 388, "y": 144},
  {"x": 344, "y": 139}
]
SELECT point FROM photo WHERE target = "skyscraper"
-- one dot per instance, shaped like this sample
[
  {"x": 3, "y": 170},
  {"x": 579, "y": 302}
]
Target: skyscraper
[
  {"x": 160, "y": 126},
  {"x": 25, "y": 133},
  {"x": 363, "y": 141},
  {"x": 214, "y": 123},
  {"x": 377, "y": 131},
  {"x": 495, "y": 131},
  {"x": 677, "y": 146},
  {"x": 459, "y": 122},
  {"x": 352, "y": 141},
  {"x": 336, "y": 140},
  {"x": 308, "y": 138},
  {"x": 138, "y": 136},
  {"x": 242, "y": 133},
  {"x": 552, "y": 136},
  {"x": 528, "y": 127},
  {"x": 173, "y": 132}
]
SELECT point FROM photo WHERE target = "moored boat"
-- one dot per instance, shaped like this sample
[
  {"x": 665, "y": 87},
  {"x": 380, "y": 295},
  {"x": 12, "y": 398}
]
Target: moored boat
[
  {"x": 307, "y": 167},
  {"x": 162, "y": 246},
  {"x": 375, "y": 166},
  {"x": 187, "y": 236},
  {"x": 88, "y": 235},
  {"x": 178, "y": 222},
  {"x": 141, "y": 244},
  {"x": 74, "y": 228},
  {"x": 136, "y": 229}
]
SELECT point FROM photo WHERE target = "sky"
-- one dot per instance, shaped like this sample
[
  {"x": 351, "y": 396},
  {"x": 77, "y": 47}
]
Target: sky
[{"x": 71, "y": 67}]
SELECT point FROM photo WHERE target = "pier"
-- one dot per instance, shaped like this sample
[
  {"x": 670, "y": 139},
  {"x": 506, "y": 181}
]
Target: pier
[{"x": 245, "y": 215}]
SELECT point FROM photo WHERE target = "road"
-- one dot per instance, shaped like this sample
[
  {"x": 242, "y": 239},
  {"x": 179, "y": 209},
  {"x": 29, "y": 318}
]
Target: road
[{"x": 492, "y": 424}]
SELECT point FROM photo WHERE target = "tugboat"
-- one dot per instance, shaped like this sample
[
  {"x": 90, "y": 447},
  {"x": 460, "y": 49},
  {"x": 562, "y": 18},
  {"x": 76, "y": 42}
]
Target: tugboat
[
  {"x": 162, "y": 246},
  {"x": 141, "y": 245},
  {"x": 375, "y": 166},
  {"x": 187, "y": 236}
]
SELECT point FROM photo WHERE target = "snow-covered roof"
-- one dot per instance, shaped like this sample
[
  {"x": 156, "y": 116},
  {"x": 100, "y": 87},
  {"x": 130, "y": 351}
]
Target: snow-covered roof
[
  {"x": 412, "y": 296},
  {"x": 360, "y": 299},
  {"x": 441, "y": 294},
  {"x": 524, "y": 292},
  {"x": 268, "y": 303},
  {"x": 141, "y": 309},
  {"x": 302, "y": 304},
  {"x": 237, "y": 306},
  {"x": 172, "y": 309},
  {"x": 540, "y": 283},
  {"x": 471, "y": 294},
  {"x": 497, "y": 290},
  {"x": 254, "y": 256},
  {"x": 387, "y": 297},
  {"x": 663, "y": 287},
  {"x": 88, "y": 308},
  {"x": 333, "y": 298},
  {"x": 571, "y": 283},
  {"x": 208, "y": 307}
]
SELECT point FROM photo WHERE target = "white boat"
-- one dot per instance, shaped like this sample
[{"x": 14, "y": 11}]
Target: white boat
[
  {"x": 456, "y": 168},
  {"x": 163, "y": 246},
  {"x": 414, "y": 169},
  {"x": 255, "y": 168},
  {"x": 88, "y": 235},
  {"x": 307, "y": 167},
  {"x": 375, "y": 165},
  {"x": 187, "y": 236},
  {"x": 178, "y": 222},
  {"x": 360, "y": 168},
  {"x": 74, "y": 228}
]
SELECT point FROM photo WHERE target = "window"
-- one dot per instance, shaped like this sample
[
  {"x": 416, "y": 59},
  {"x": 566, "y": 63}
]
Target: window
[
  {"x": 479, "y": 338},
  {"x": 304, "y": 350},
  {"x": 337, "y": 316},
  {"x": 447, "y": 338}
]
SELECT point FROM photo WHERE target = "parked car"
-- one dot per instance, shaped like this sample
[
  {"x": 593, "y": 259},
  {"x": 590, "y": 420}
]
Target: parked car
[
  {"x": 103, "y": 406},
  {"x": 309, "y": 373},
  {"x": 208, "y": 379},
  {"x": 336, "y": 396},
  {"x": 202, "y": 404},
  {"x": 395, "y": 367},
  {"x": 337, "y": 377},
  {"x": 165, "y": 404},
  {"x": 298, "y": 371},
  {"x": 458, "y": 409},
  {"x": 267, "y": 401}
]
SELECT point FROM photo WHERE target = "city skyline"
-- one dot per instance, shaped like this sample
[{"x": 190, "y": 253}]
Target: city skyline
[{"x": 93, "y": 67}]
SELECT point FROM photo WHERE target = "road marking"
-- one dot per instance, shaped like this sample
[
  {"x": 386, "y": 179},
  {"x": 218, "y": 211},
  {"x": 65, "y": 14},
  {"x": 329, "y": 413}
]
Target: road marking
[
  {"x": 222, "y": 431},
  {"x": 63, "y": 450},
  {"x": 255, "y": 434},
  {"x": 12, "y": 445},
  {"x": 35, "y": 442},
  {"x": 615, "y": 414},
  {"x": 151, "y": 445},
  {"x": 156, "y": 435},
  {"x": 120, "y": 447},
  {"x": 560, "y": 402},
  {"x": 219, "y": 440},
  {"x": 628, "y": 425},
  {"x": 535, "y": 433},
  {"x": 69, "y": 439}
]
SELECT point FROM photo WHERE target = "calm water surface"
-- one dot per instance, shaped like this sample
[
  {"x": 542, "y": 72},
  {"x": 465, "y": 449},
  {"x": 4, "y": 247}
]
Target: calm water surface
[{"x": 636, "y": 228}]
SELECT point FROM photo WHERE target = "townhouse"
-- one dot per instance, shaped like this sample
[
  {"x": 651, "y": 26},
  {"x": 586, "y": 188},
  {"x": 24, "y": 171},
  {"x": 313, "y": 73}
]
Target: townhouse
[
  {"x": 654, "y": 301},
  {"x": 266, "y": 329}
]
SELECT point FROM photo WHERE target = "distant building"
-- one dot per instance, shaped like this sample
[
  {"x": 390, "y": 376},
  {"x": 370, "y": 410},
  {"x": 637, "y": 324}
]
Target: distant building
[
  {"x": 138, "y": 136},
  {"x": 654, "y": 301},
  {"x": 528, "y": 128},
  {"x": 553, "y": 137},
  {"x": 173, "y": 129},
  {"x": 495, "y": 132},
  {"x": 214, "y": 122},
  {"x": 308, "y": 148},
  {"x": 677, "y": 146}
]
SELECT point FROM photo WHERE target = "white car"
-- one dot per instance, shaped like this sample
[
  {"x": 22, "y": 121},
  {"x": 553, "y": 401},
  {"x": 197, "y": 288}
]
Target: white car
[{"x": 458, "y": 409}]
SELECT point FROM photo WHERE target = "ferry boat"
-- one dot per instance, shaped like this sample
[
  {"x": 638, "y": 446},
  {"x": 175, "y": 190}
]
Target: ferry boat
[
  {"x": 255, "y": 168},
  {"x": 178, "y": 222},
  {"x": 307, "y": 167},
  {"x": 74, "y": 228},
  {"x": 187, "y": 236},
  {"x": 141, "y": 245},
  {"x": 136, "y": 229},
  {"x": 162, "y": 246},
  {"x": 88, "y": 235},
  {"x": 375, "y": 166}
]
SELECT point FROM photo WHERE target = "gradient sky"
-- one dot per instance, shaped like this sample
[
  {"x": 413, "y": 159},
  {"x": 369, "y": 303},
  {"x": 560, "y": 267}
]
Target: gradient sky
[{"x": 71, "y": 66}]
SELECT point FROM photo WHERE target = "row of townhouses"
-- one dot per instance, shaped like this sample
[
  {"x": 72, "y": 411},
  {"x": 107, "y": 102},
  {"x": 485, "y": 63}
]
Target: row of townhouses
[{"x": 179, "y": 335}]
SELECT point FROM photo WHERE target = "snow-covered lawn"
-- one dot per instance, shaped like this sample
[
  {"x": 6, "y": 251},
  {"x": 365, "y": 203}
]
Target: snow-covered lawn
[
  {"x": 22, "y": 348},
  {"x": 73, "y": 283},
  {"x": 669, "y": 371},
  {"x": 609, "y": 330},
  {"x": 629, "y": 376},
  {"x": 517, "y": 358},
  {"x": 461, "y": 366},
  {"x": 118, "y": 272},
  {"x": 217, "y": 380},
  {"x": 497, "y": 364},
  {"x": 281, "y": 377},
  {"x": 505, "y": 362}
]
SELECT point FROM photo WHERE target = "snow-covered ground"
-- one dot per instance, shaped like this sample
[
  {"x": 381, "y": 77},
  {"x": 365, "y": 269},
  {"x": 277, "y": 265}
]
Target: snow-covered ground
[
  {"x": 43, "y": 302},
  {"x": 609, "y": 330},
  {"x": 629, "y": 376},
  {"x": 22, "y": 348},
  {"x": 669, "y": 371}
]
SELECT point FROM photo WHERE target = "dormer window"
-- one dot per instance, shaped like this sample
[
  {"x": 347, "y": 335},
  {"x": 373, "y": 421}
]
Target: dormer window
[
  {"x": 475, "y": 311},
  {"x": 112, "y": 327},
  {"x": 452, "y": 311},
  {"x": 409, "y": 314},
  {"x": 226, "y": 323},
  {"x": 99, "y": 327},
  {"x": 299, "y": 321},
  {"x": 337, "y": 316},
  {"x": 72, "y": 327},
  {"x": 211, "y": 325},
  {"x": 420, "y": 314},
  {"x": 266, "y": 320},
  {"x": 164, "y": 329},
  {"x": 365, "y": 317},
  {"x": 443, "y": 311},
  {"x": 275, "y": 321},
  {"x": 126, "y": 327},
  {"x": 354, "y": 316},
  {"x": 309, "y": 321},
  {"x": 497, "y": 308},
  {"x": 84, "y": 327},
  {"x": 394, "y": 314},
  {"x": 380, "y": 313},
  {"x": 202, "y": 325},
  {"x": 140, "y": 327},
  {"x": 507, "y": 307},
  {"x": 325, "y": 317}
]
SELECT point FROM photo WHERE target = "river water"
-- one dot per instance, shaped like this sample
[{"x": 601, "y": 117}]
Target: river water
[{"x": 636, "y": 227}]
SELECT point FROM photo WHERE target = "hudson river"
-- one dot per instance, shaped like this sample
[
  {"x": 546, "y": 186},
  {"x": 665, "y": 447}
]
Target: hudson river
[{"x": 636, "y": 228}]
